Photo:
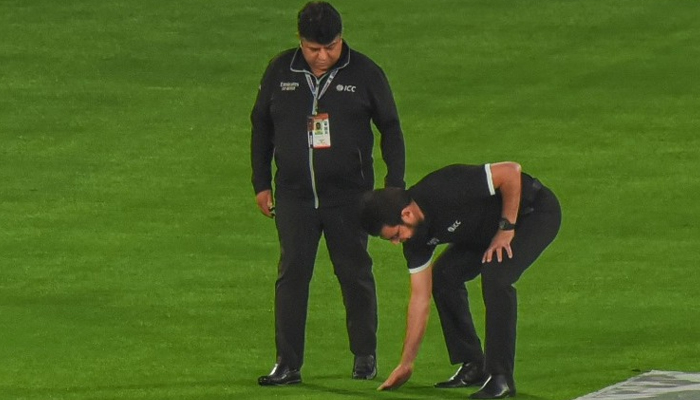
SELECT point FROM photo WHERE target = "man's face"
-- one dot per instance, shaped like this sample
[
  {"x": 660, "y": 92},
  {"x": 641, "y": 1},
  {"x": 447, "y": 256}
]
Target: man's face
[
  {"x": 321, "y": 57},
  {"x": 397, "y": 234},
  {"x": 401, "y": 233}
]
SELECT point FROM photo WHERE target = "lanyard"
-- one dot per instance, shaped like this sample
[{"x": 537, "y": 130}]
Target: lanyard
[{"x": 315, "y": 89}]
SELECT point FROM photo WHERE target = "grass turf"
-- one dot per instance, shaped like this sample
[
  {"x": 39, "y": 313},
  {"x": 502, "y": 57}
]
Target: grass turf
[{"x": 133, "y": 262}]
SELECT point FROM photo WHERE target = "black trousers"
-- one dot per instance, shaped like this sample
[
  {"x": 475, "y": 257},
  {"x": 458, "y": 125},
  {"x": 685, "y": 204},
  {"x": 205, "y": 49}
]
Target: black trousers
[
  {"x": 299, "y": 227},
  {"x": 458, "y": 264}
]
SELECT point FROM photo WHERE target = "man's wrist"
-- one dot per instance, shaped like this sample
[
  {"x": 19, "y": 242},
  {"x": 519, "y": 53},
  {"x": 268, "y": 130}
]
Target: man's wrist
[{"x": 505, "y": 225}]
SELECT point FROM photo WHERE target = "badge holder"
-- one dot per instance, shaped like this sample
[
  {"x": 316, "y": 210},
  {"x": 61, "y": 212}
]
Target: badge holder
[{"x": 319, "y": 131}]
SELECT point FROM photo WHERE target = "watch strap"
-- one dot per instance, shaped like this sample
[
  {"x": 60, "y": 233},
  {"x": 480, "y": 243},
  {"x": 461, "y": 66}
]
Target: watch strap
[{"x": 505, "y": 225}]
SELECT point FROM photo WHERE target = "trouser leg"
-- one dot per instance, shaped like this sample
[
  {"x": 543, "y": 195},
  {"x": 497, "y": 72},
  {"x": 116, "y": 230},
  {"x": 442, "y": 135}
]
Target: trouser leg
[
  {"x": 451, "y": 270},
  {"x": 347, "y": 247},
  {"x": 534, "y": 233},
  {"x": 299, "y": 233},
  {"x": 501, "y": 319}
]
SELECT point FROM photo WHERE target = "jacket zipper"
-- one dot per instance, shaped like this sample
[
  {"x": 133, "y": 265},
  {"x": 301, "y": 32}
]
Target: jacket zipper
[
  {"x": 313, "y": 176},
  {"x": 317, "y": 92},
  {"x": 314, "y": 111}
]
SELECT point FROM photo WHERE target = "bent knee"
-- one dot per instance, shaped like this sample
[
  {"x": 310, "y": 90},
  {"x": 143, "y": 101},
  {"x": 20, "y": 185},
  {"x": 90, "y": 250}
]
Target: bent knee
[{"x": 493, "y": 276}]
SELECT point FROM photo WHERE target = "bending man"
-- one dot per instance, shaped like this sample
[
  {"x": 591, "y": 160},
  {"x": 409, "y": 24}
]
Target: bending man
[{"x": 496, "y": 221}]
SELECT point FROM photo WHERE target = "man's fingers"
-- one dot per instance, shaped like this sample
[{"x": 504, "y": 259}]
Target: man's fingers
[
  {"x": 384, "y": 386},
  {"x": 487, "y": 256},
  {"x": 267, "y": 210},
  {"x": 498, "y": 251}
]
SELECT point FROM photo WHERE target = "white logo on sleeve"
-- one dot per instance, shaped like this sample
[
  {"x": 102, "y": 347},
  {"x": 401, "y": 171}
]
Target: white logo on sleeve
[{"x": 454, "y": 226}]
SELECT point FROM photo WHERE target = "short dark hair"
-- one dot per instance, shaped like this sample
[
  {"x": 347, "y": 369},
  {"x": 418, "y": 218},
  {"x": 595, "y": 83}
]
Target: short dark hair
[
  {"x": 382, "y": 207},
  {"x": 319, "y": 22}
]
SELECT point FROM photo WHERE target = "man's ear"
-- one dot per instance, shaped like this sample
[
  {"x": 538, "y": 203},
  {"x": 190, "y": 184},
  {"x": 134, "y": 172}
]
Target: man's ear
[{"x": 407, "y": 214}]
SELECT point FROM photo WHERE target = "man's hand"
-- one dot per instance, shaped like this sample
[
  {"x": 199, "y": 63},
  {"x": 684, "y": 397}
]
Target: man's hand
[
  {"x": 265, "y": 203},
  {"x": 499, "y": 242},
  {"x": 398, "y": 377}
]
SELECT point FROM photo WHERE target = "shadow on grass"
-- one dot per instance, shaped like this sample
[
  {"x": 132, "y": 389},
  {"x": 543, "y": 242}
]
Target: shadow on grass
[
  {"x": 403, "y": 393},
  {"x": 407, "y": 392}
]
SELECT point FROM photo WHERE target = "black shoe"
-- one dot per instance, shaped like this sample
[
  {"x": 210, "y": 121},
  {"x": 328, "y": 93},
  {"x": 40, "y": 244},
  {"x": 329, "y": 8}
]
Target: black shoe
[
  {"x": 469, "y": 374},
  {"x": 495, "y": 388},
  {"x": 365, "y": 367},
  {"x": 280, "y": 375}
]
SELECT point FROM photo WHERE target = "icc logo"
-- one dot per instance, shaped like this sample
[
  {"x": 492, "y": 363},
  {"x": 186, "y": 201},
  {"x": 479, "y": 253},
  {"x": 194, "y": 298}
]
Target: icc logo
[
  {"x": 454, "y": 226},
  {"x": 346, "y": 88}
]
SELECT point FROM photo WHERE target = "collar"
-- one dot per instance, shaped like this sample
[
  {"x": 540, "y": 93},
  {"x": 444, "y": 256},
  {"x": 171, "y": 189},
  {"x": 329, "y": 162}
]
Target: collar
[{"x": 299, "y": 64}]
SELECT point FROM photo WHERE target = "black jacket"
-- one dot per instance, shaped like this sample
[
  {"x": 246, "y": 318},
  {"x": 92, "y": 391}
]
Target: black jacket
[{"x": 357, "y": 95}]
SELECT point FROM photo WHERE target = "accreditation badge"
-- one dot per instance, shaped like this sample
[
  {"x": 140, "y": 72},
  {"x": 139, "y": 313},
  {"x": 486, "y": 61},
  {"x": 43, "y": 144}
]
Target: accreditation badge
[{"x": 319, "y": 131}]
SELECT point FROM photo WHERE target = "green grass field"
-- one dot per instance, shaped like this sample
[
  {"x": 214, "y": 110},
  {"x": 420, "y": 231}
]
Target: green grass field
[{"x": 135, "y": 265}]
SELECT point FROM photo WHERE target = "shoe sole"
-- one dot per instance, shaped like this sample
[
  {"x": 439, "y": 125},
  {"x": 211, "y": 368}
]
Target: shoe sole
[
  {"x": 365, "y": 377},
  {"x": 279, "y": 384},
  {"x": 450, "y": 385}
]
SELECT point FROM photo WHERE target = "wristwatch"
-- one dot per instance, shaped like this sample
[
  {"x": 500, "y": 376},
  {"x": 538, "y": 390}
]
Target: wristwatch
[{"x": 505, "y": 225}]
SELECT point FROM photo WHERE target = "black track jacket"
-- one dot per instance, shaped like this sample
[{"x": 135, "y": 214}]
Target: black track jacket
[{"x": 357, "y": 95}]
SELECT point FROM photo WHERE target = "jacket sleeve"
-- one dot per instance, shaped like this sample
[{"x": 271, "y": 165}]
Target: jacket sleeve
[
  {"x": 261, "y": 142},
  {"x": 386, "y": 119}
]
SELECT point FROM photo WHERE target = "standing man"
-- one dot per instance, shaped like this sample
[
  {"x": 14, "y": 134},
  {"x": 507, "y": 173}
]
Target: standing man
[
  {"x": 313, "y": 115},
  {"x": 496, "y": 221}
]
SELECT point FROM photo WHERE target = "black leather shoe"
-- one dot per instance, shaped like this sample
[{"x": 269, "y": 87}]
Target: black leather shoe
[
  {"x": 365, "y": 367},
  {"x": 469, "y": 374},
  {"x": 496, "y": 387},
  {"x": 280, "y": 375}
]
